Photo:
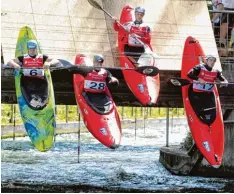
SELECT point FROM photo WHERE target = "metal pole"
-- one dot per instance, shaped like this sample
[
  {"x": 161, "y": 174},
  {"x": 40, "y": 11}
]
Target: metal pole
[
  {"x": 66, "y": 113},
  {"x": 122, "y": 116},
  {"x": 144, "y": 119},
  {"x": 14, "y": 122},
  {"x": 167, "y": 128},
  {"x": 135, "y": 120},
  {"x": 172, "y": 120},
  {"x": 78, "y": 149},
  {"x": 12, "y": 113}
]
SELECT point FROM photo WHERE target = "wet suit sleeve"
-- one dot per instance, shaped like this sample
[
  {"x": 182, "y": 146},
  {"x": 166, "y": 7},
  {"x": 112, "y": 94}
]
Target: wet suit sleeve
[
  {"x": 147, "y": 38},
  {"x": 109, "y": 76},
  {"x": 45, "y": 57},
  {"x": 220, "y": 76},
  {"x": 194, "y": 72},
  {"x": 21, "y": 59}
]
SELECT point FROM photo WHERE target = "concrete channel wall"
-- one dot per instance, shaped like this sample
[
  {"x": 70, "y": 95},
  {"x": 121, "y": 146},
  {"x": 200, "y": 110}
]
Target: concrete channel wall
[{"x": 67, "y": 27}]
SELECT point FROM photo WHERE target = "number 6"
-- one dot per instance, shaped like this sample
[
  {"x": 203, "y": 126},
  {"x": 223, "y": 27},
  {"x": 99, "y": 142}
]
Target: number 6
[{"x": 33, "y": 72}]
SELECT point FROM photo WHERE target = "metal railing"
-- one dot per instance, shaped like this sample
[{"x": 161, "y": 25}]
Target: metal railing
[{"x": 224, "y": 35}]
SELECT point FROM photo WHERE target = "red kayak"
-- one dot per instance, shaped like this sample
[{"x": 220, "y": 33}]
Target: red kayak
[
  {"x": 145, "y": 88},
  {"x": 205, "y": 119},
  {"x": 98, "y": 110}
]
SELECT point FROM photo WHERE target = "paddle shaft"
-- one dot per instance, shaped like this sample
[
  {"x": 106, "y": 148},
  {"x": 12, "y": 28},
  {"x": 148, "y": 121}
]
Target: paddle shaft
[
  {"x": 183, "y": 82},
  {"x": 95, "y": 4}
]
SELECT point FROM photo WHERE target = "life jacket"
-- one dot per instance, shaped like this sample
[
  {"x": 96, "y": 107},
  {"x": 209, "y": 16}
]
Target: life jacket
[
  {"x": 34, "y": 66},
  {"x": 141, "y": 30},
  {"x": 95, "y": 82},
  {"x": 207, "y": 76}
]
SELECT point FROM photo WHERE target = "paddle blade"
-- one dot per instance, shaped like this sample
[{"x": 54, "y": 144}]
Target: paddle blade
[
  {"x": 178, "y": 82},
  {"x": 83, "y": 70},
  {"x": 95, "y": 4},
  {"x": 148, "y": 70}
]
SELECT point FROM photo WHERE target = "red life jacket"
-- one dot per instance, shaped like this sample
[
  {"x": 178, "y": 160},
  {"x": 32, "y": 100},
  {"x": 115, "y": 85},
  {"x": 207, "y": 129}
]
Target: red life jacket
[
  {"x": 141, "y": 31},
  {"x": 34, "y": 66},
  {"x": 208, "y": 76},
  {"x": 96, "y": 81}
]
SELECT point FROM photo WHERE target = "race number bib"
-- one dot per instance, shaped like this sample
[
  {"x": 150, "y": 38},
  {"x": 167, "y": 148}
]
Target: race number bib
[
  {"x": 33, "y": 72},
  {"x": 94, "y": 85},
  {"x": 204, "y": 87}
]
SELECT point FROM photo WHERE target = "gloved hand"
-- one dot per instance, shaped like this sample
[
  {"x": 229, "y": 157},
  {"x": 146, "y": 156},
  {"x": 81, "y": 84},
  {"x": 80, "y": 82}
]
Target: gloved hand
[
  {"x": 47, "y": 65},
  {"x": 16, "y": 66},
  {"x": 224, "y": 84},
  {"x": 114, "y": 80}
]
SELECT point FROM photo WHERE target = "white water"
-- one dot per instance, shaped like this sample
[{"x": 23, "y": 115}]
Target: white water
[{"x": 135, "y": 164}]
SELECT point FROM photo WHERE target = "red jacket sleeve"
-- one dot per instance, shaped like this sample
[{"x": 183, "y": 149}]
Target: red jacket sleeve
[
  {"x": 147, "y": 38},
  {"x": 116, "y": 26}
]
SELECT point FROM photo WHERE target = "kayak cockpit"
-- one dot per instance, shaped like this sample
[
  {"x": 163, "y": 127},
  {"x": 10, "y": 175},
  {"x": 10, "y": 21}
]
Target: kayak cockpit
[
  {"x": 100, "y": 102},
  {"x": 204, "y": 105},
  {"x": 35, "y": 92},
  {"x": 146, "y": 59}
]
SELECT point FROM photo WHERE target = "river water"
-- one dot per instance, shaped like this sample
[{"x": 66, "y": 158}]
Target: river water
[{"x": 133, "y": 167}]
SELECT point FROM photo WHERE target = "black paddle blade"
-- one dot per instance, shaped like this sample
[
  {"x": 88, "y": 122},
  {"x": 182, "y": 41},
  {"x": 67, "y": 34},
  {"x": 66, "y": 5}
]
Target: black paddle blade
[
  {"x": 178, "y": 82},
  {"x": 148, "y": 70},
  {"x": 95, "y": 4},
  {"x": 65, "y": 63},
  {"x": 83, "y": 70}
]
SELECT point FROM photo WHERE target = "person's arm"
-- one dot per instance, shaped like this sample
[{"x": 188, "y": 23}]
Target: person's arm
[
  {"x": 147, "y": 38},
  {"x": 117, "y": 27},
  {"x": 224, "y": 81},
  {"x": 110, "y": 78},
  {"x": 217, "y": 15},
  {"x": 48, "y": 62},
  {"x": 15, "y": 63},
  {"x": 193, "y": 74}
]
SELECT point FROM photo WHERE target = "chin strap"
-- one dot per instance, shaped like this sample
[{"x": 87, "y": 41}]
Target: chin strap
[{"x": 138, "y": 22}]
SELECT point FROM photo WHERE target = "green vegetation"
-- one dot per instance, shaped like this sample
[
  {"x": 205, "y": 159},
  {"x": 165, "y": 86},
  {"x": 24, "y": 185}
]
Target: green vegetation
[{"x": 68, "y": 113}]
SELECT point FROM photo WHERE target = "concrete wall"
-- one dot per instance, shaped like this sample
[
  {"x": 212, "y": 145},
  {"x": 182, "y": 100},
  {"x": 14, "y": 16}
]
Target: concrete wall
[{"x": 67, "y": 27}]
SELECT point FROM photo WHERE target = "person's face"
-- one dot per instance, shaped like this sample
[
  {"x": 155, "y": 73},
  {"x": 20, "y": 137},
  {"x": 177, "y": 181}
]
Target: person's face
[
  {"x": 97, "y": 65},
  {"x": 32, "y": 51},
  {"x": 211, "y": 62},
  {"x": 139, "y": 16}
]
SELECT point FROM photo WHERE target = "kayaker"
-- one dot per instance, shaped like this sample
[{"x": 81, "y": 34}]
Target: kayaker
[
  {"x": 137, "y": 29},
  {"x": 201, "y": 93},
  {"x": 206, "y": 73},
  {"x": 96, "y": 80},
  {"x": 32, "y": 59}
]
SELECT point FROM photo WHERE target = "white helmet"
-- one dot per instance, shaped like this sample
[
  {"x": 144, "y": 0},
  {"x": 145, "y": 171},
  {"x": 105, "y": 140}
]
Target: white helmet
[
  {"x": 140, "y": 9},
  {"x": 210, "y": 56}
]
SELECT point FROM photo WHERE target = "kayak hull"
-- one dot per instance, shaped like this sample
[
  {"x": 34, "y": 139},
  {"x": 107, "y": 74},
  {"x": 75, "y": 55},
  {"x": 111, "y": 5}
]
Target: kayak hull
[
  {"x": 39, "y": 123},
  {"x": 209, "y": 137},
  {"x": 145, "y": 88},
  {"x": 105, "y": 127}
]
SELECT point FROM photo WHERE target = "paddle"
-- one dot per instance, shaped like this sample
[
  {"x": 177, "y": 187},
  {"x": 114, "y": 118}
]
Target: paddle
[
  {"x": 146, "y": 70},
  {"x": 179, "y": 82},
  {"x": 147, "y": 48},
  {"x": 82, "y": 69}
]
